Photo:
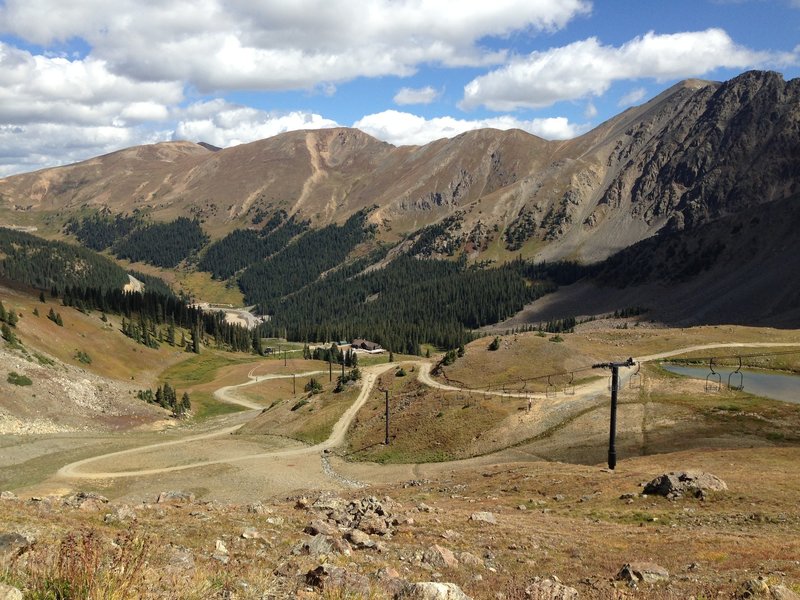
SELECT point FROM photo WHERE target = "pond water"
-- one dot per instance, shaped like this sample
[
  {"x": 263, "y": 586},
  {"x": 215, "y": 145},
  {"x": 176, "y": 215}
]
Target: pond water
[{"x": 767, "y": 385}]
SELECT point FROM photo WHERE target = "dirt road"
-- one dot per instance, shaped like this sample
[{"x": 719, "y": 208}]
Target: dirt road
[{"x": 310, "y": 469}]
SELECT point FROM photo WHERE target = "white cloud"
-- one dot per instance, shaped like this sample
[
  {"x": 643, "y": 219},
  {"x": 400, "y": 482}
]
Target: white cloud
[
  {"x": 590, "y": 112},
  {"x": 402, "y": 128},
  {"x": 222, "y": 124},
  {"x": 38, "y": 89},
  {"x": 632, "y": 97},
  {"x": 424, "y": 95},
  {"x": 586, "y": 68},
  {"x": 39, "y": 145},
  {"x": 273, "y": 44}
]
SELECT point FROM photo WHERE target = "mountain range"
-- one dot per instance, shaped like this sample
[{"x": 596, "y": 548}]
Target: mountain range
[{"x": 698, "y": 155}]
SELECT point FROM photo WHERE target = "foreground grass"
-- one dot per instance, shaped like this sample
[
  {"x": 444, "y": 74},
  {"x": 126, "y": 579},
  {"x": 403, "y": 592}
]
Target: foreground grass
[{"x": 552, "y": 520}]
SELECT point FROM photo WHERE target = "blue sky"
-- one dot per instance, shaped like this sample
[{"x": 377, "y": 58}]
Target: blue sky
[{"x": 88, "y": 77}]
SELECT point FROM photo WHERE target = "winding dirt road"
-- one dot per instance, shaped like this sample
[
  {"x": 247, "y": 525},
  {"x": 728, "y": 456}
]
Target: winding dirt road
[{"x": 81, "y": 469}]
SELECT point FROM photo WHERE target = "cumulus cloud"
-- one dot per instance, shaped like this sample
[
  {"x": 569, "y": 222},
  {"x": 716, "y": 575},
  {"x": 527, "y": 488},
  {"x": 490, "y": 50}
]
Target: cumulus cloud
[
  {"x": 424, "y": 95},
  {"x": 37, "y": 89},
  {"x": 402, "y": 128},
  {"x": 632, "y": 97},
  {"x": 39, "y": 145},
  {"x": 222, "y": 124},
  {"x": 587, "y": 67},
  {"x": 273, "y": 44}
]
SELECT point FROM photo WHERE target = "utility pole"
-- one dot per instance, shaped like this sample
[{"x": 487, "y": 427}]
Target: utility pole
[
  {"x": 294, "y": 384},
  {"x": 284, "y": 357},
  {"x": 330, "y": 370},
  {"x": 386, "y": 396},
  {"x": 612, "y": 433}
]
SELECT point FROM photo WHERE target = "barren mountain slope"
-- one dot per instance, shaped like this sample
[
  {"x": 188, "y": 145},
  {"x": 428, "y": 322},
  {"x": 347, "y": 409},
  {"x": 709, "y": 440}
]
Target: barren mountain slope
[{"x": 696, "y": 152}]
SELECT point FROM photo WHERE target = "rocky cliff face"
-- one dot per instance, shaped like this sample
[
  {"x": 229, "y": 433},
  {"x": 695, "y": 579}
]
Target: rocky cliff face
[{"x": 697, "y": 152}]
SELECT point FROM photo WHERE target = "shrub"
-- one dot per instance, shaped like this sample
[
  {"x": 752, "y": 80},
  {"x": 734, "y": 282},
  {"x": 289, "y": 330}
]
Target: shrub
[
  {"x": 83, "y": 357},
  {"x": 495, "y": 345},
  {"x": 300, "y": 404},
  {"x": 313, "y": 386},
  {"x": 17, "y": 379}
]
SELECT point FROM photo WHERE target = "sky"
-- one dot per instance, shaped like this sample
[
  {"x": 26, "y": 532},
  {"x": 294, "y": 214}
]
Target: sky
[{"x": 87, "y": 77}]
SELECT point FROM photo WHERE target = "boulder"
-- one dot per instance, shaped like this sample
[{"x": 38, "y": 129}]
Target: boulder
[
  {"x": 754, "y": 588},
  {"x": 88, "y": 501},
  {"x": 429, "y": 590},
  {"x": 678, "y": 483},
  {"x": 8, "y": 496},
  {"x": 483, "y": 517},
  {"x": 321, "y": 545},
  {"x": 359, "y": 539},
  {"x": 547, "y": 589},
  {"x": 12, "y": 545},
  {"x": 439, "y": 557},
  {"x": 175, "y": 497},
  {"x": 781, "y": 592},
  {"x": 329, "y": 577},
  {"x": 643, "y": 572},
  {"x": 8, "y": 592},
  {"x": 318, "y": 526},
  {"x": 470, "y": 559},
  {"x": 180, "y": 559},
  {"x": 121, "y": 514}
]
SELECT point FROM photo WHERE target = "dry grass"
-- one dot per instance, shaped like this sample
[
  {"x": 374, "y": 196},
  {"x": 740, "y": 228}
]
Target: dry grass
[
  {"x": 112, "y": 354},
  {"x": 301, "y": 415},
  {"x": 425, "y": 425}
]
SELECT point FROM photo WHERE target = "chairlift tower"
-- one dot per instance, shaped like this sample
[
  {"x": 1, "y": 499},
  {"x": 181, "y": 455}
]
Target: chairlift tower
[{"x": 612, "y": 433}]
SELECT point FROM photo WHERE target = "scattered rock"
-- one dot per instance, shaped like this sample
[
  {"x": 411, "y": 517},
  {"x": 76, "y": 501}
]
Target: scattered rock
[
  {"x": 548, "y": 589},
  {"x": 470, "y": 559},
  {"x": 391, "y": 581},
  {"x": 781, "y": 592},
  {"x": 678, "y": 483},
  {"x": 180, "y": 559},
  {"x": 318, "y": 526},
  {"x": 8, "y": 592},
  {"x": 429, "y": 590},
  {"x": 320, "y": 545},
  {"x": 643, "y": 572},
  {"x": 175, "y": 497},
  {"x": 439, "y": 557},
  {"x": 329, "y": 577},
  {"x": 251, "y": 533},
  {"x": 13, "y": 545},
  {"x": 121, "y": 514},
  {"x": 359, "y": 539},
  {"x": 754, "y": 588},
  {"x": 88, "y": 501},
  {"x": 484, "y": 517},
  {"x": 258, "y": 509}
]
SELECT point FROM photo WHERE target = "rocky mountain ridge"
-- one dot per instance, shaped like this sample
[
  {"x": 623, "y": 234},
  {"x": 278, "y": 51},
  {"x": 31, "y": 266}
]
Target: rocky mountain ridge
[{"x": 696, "y": 152}]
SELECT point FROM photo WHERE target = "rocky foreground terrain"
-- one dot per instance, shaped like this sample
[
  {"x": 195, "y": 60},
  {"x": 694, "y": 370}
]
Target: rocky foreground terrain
[{"x": 538, "y": 530}]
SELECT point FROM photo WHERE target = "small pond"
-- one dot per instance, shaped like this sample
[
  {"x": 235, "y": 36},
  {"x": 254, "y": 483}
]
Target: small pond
[{"x": 777, "y": 386}]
